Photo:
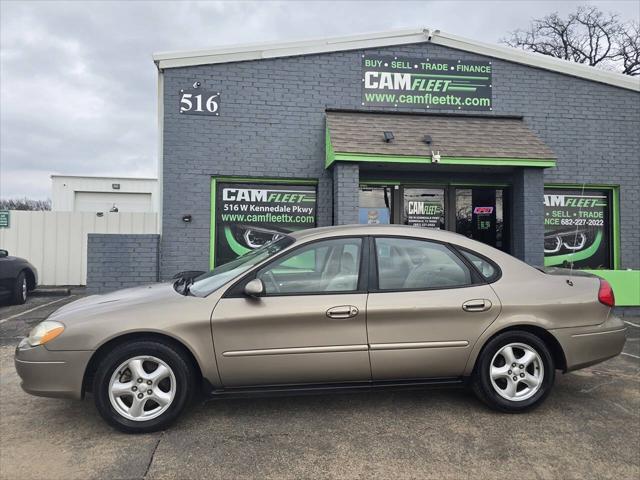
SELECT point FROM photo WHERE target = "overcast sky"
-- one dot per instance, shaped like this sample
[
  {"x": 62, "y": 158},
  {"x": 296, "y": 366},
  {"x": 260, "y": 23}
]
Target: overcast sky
[{"x": 78, "y": 85}]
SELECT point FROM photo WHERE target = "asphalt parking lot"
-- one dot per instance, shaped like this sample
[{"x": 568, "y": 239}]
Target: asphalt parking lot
[{"x": 588, "y": 428}]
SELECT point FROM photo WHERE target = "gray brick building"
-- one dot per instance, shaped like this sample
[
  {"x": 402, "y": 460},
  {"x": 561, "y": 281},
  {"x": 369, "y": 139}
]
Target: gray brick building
[{"x": 271, "y": 118}]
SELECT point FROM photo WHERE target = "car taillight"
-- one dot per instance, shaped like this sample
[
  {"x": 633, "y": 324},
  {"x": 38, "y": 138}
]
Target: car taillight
[{"x": 605, "y": 294}]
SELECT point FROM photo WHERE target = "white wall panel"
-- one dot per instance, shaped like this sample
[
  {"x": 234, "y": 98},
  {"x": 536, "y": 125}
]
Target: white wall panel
[{"x": 56, "y": 242}]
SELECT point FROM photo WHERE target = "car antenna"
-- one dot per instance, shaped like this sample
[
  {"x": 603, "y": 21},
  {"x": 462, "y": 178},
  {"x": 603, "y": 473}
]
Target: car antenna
[{"x": 575, "y": 238}]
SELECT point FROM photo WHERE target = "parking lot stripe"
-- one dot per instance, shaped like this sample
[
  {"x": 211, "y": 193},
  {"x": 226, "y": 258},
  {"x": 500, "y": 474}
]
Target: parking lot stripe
[
  {"x": 630, "y": 355},
  {"x": 632, "y": 324},
  {"x": 33, "y": 309}
]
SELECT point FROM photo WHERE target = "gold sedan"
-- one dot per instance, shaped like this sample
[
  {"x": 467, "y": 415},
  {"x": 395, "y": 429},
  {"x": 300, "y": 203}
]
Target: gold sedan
[{"x": 327, "y": 309}]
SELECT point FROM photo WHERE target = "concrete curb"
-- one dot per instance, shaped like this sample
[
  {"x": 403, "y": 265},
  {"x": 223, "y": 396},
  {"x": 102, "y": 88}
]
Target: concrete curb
[{"x": 51, "y": 292}]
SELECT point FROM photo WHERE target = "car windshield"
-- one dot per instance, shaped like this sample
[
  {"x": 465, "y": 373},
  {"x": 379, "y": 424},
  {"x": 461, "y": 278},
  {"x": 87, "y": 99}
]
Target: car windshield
[{"x": 206, "y": 283}]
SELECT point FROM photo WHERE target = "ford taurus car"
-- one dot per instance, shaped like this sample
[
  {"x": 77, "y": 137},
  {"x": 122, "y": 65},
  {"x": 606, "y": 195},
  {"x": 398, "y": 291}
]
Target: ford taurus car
[{"x": 327, "y": 309}]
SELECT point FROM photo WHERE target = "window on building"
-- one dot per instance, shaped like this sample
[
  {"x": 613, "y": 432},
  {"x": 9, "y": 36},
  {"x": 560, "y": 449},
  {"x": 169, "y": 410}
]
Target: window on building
[
  {"x": 577, "y": 228},
  {"x": 375, "y": 205}
]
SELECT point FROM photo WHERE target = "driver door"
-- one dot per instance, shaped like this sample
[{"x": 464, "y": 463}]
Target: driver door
[{"x": 309, "y": 326}]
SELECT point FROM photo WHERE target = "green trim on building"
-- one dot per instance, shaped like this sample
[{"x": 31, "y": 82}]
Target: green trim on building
[
  {"x": 332, "y": 157},
  {"x": 625, "y": 284},
  {"x": 212, "y": 228},
  {"x": 265, "y": 180},
  {"x": 296, "y": 181},
  {"x": 615, "y": 213},
  {"x": 391, "y": 183},
  {"x": 328, "y": 149},
  {"x": 381, "y": 183},
  {"x": 479, "y": 184}
]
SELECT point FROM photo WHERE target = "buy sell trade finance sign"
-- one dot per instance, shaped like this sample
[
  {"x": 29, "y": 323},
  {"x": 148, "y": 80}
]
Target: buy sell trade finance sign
[
  {"x": 426, "y": 83},
  {"x": 577, "y": 228}
]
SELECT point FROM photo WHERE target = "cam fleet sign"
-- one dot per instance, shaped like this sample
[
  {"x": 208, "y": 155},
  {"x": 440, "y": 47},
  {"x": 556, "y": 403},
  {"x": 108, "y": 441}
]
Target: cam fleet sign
[
  {"x": 577, "y": 228},
  {"x": 250, "y": 215},
  {"x": 424, "y": 214},
  {"x": 429, "y": 83}
]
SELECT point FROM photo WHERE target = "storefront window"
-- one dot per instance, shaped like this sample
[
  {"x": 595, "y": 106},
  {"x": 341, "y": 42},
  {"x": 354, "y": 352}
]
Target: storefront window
[
  {"x": 375, "y": 205},
  {"x": 577, "y": 228},
  {"x": 424, "y": 207}
]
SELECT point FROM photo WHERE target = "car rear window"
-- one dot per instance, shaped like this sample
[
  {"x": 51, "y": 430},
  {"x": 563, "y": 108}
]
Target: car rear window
[{"x": 486, "y": 268}]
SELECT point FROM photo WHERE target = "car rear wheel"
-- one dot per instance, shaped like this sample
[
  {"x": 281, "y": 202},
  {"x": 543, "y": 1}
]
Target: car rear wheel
[
  {"x": 514, "y": 373},
  {"x": 20, "y": 289},
  {"x": 143, "y": 386}
]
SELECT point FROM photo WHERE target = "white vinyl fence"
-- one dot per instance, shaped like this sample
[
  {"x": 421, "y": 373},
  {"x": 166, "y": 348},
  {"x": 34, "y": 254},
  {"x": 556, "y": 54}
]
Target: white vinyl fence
[{"x": 56, "y": 242}]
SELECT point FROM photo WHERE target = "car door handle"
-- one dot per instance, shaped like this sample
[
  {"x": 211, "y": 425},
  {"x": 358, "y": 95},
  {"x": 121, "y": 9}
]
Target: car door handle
[
  {"x": 477, "y": 305},
  {"x": 343, "y": 311}
]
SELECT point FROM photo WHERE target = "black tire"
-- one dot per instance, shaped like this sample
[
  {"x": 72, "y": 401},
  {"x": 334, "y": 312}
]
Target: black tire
[
  {"x": 481, "y": 379},
  {"x": 178, "y": 363},
  {"x": 20, "y": 288}
]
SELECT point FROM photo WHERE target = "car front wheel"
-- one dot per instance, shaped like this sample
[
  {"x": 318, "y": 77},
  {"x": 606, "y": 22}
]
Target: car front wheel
[
  {"x": 142, "y": 386},
  {"x": 514, "y": 373}
]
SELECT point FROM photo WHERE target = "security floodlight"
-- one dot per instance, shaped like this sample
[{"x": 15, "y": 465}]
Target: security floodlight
[
  {"x": 388, "y": 136},
  {"x": 427, "y": 139}
]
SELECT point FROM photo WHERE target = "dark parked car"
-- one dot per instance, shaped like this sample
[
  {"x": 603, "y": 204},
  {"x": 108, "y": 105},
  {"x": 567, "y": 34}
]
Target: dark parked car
[{"x": 17, "y": 278}]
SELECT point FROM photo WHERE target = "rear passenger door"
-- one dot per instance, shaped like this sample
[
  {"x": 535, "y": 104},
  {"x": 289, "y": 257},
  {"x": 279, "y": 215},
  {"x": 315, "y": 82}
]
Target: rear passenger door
[{"x": 425, "y": 310}]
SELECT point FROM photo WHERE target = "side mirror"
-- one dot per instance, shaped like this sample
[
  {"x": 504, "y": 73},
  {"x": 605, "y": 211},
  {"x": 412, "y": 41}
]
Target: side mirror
[
  {"x": 255, "y": 288},
  {"x": 4, "y": 253}
]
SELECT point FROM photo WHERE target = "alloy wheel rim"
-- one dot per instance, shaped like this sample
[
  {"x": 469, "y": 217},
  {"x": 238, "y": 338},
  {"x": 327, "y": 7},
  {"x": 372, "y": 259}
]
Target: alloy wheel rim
[
  {"x": 24, "y": 289},
  {"x": 516, "y": 372},
  {"x": 142, "y": 388}
]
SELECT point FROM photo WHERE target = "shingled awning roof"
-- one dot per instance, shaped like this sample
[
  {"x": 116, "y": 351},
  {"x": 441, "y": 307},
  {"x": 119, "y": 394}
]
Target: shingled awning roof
[{"x": 470, "y": 140}]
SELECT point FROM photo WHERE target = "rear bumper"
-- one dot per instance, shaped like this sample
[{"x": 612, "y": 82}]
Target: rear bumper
[
  {"x": 51, "y": 373},
  {"x": 585, "y": 346}
]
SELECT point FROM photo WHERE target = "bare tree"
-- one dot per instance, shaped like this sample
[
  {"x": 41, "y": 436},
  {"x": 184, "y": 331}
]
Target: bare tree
[
  {"x": 24, "y": 204},
  {"x": 629, "y": 51},
  {"x": 586, "y": 36}
]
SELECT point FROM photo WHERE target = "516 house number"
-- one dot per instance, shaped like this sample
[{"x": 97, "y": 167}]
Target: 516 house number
[{"x": 197, "y": 102}]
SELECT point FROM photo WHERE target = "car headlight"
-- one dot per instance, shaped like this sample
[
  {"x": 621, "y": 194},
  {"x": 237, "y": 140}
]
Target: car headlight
[{"x": 44, "y": 332}]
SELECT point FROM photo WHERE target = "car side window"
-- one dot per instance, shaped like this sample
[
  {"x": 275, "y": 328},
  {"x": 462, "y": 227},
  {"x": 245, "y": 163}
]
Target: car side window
[
  {"x": 409, "y": 264},
  {"x": 488, "y": 271},
  {"x": 320, "y": 267}
]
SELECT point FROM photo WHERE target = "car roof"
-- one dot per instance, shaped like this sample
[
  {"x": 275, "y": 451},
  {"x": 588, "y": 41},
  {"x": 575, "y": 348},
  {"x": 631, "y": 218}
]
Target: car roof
[{"x": 398, "y": 230}]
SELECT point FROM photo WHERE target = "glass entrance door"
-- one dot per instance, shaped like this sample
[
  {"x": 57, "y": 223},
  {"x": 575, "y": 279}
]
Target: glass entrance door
[{"x": 480, "y": 215}]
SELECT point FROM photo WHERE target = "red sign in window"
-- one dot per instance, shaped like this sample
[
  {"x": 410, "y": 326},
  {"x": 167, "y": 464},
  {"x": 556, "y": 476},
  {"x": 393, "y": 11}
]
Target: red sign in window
[{"x": 483, "y": 210}]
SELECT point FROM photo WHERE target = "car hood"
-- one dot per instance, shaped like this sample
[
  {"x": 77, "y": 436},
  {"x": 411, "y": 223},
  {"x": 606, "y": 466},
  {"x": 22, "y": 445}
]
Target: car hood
[{"x": 119, "y": 300}]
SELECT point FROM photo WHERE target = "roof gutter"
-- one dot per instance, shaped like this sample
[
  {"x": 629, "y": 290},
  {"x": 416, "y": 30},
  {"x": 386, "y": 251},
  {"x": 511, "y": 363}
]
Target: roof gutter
[{"x": 261, "y": 51}]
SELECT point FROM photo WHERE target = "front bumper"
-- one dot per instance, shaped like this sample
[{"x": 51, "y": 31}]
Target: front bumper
[
  {"x": 49, "y": 373},
  {"x": 585, "y": 346}
]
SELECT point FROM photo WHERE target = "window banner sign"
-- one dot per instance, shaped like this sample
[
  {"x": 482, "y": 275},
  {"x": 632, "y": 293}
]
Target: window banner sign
[
  {"x": 428, "y": 83},
  {"x": 424, "y": 214},
  {"x": 577, "y": 228},
  {"x": 250, "y": 215}
]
